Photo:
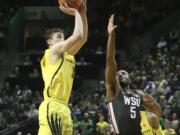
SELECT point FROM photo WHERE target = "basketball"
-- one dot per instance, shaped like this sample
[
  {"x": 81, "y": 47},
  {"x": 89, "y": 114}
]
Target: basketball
[{"x": 72, "y": 3}]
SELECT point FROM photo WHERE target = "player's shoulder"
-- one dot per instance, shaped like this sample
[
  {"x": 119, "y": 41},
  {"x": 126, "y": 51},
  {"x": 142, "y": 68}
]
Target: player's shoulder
[
  {"x": 44, "y": 55},
  {"x": 46, "y": 51}
]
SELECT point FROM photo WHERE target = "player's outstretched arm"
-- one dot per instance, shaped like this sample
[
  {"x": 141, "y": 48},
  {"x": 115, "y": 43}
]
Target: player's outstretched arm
[
  {"x": 111, "y": 66},
  {"x": 150, "y": 103},
  {"x": 76, "y": 47},
  {"x": 60, "y": 47}
]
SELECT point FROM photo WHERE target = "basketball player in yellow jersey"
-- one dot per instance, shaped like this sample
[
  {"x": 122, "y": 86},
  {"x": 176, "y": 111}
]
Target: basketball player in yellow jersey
[
  {"x": 57, "y": 67},
  {"x": 150, "y": 124}
]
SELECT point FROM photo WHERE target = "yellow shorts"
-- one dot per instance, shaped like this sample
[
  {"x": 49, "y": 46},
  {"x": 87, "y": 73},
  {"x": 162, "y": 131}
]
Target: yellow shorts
[{"x": 54, "y": 119}]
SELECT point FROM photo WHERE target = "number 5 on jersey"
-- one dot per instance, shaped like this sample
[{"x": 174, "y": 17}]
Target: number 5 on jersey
[{"x": 133, "y": 112}]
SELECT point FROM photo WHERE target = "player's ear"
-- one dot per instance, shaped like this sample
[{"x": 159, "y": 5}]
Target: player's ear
[
  {"x": 63, "y": 36},
  {"x": 49, "y": 42}
]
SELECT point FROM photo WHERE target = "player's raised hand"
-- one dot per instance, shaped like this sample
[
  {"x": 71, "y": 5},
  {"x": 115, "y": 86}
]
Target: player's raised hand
[
  {"x": 111, "y": 26},
  {"x": 66, "y": 9}
]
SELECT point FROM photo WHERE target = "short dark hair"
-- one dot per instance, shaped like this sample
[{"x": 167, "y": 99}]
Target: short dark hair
[{"x": 48, "y": 34}]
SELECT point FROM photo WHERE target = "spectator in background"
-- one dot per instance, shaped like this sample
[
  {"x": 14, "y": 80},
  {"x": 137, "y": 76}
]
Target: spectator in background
[
  {"x": 99, "y": 50},
  {"x": 33, "y": 112},
  {"x": 108, "y": 130},
  {"x": 37, "y": 98},
  {"x": 76, "y": 125},
  {"x": 163, "y": 86},
  {"x": 101, "y": 88},
  {"x": 86, "y": 125},
  {"x": 162, "y": 100},
  {"x": 26, "y": 94},
  {"x": 177, "y": 95},
  {"x": 12, "y": 119},
  {"x": 12, "y": 102},
  {"x": 19, "y": 133},
  {"x": 17, "y": 91},
  {"x": 2, "y": 121},
  {"x": 6, "y": 89},
  {"x": 76, "y": 111},
  {"x": 21, "y": 112},
  {"x": 82, "y": 61},
  {"x": 101, "y": 125},
  {"x": 34, "y": 74},
  {"x": 16, "y": 73},
  {"x": 168, "y": 130},
  {"x": 162, "y": 43},
  {"x": 27, "y": 61},
  {"x": 175, "y": 121}
]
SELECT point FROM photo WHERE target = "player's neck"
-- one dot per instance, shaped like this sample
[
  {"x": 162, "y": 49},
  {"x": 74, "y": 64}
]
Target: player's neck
[
  {"x": 126, "y": 89},
  {"x": 124, "y": 86}
]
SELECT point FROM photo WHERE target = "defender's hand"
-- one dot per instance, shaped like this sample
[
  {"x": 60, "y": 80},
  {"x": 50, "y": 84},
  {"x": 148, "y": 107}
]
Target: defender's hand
[{"x": 111, "y": 26}]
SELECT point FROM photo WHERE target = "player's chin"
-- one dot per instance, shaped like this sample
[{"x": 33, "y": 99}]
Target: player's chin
[{"x": 123, "y": 83}]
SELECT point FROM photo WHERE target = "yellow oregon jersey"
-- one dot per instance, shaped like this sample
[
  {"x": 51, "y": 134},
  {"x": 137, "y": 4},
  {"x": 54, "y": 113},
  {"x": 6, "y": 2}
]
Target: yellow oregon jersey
[
  {"x": 146, "y": 128},
  {"x": 58, "y": 77}
]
